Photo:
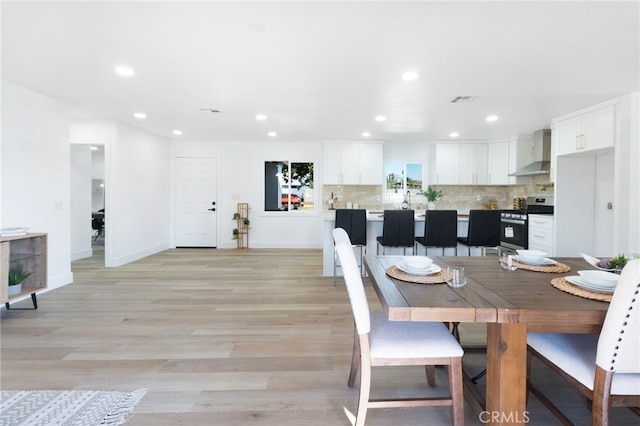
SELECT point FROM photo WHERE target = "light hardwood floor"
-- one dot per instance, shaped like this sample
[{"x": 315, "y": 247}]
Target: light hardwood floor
[{"x": 221, "y": 337}]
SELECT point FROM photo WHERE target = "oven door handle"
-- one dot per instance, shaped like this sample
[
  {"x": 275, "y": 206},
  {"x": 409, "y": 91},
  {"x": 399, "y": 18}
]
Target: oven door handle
[{"x": 514, "y": 221}]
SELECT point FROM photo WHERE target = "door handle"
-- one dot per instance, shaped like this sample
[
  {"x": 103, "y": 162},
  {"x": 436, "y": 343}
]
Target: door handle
[{"x": 213, "y": 209}]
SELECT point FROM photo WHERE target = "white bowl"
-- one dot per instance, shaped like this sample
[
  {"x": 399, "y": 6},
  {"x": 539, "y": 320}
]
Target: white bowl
[
  {"x": 532, "y": 254},
  {"x": 600, "y": 278},
  {"x": 417, "y": 262}
]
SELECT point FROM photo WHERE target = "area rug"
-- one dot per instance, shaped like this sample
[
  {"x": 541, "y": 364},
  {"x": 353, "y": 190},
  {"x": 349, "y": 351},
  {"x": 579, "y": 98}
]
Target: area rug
[{"x": 71, "y": 407}]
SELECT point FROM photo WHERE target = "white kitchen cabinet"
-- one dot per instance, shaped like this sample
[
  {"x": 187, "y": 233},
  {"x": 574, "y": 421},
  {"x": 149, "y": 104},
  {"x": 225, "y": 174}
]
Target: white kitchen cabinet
[
  {"x": 589, "y": 131},
  {"x": 499, "y": 163},
  {"x": 473, "y": 164},
  {"x": 447, "y": 164},
  {"x": 541, "y": 233},
  {"x": 349, "y": 163}
]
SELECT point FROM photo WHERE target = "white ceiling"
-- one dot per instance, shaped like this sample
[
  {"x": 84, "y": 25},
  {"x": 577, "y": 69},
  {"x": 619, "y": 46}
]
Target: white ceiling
[{"x": 324, "y": 70}]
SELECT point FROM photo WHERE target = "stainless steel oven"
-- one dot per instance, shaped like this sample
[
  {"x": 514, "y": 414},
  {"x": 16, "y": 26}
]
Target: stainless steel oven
[{"x": 514, "y": 227}]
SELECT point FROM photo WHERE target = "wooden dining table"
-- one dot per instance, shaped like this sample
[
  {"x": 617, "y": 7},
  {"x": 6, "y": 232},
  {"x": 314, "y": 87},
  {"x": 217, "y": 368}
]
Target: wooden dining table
[{"x": 510, "y": 303}]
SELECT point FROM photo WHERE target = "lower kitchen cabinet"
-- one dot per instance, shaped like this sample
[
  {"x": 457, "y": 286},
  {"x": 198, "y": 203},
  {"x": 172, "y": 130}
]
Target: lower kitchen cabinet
[{"x": 541, "y": 233}]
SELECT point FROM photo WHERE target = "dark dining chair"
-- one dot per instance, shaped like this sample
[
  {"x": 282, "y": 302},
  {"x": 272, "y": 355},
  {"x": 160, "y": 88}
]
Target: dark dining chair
[
  {"x": 484, "y": 230},
  {"x": 354, "y": 222},
  {"x": 398, "y": 230},
  {"x": 440, "y": 230},
  {"x": 97, "y": 224}
]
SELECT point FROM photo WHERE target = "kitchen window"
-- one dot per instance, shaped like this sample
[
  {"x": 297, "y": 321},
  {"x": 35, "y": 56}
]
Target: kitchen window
[
  {"x": 288, "y": 186},
  {"x": 402, "y": 177}
]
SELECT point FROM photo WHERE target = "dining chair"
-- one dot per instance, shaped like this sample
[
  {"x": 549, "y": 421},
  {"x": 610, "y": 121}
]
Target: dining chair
[
  {"x": 380, "y": 342},
  {"x": 354, "y": 222},
  {"x": 440, "y": 230},
  {"x": 484, "y": 230},
  {"x": 398, "y": 230},
  {"x": 606, "y": 367}
]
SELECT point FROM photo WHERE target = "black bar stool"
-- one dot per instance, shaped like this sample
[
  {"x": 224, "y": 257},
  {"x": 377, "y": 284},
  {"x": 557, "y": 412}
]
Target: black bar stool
[
  {"x": 484, "y": 230},
  {"x": 354, "y": 222},
  {"x": 440, "y": 230},
  {"x": 398, "y": 230}
]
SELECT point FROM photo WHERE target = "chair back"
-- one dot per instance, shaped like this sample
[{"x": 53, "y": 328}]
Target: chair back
[
  {"x": 619, "y": 342},
  {"x": 484, "y": 228},
  {"x": 97, "y": 224},
  {"x": 353, "y": 280},
  {"x": 398, "y": 228},
  {"x": 354, "y": 222},
  {"x": 441, "y": 228}
]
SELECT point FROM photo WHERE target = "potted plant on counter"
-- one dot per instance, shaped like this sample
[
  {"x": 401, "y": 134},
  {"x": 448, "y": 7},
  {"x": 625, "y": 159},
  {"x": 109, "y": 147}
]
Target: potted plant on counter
[
  {"x": 432, "y": 196},
  {"x": 16, "y": 276}
]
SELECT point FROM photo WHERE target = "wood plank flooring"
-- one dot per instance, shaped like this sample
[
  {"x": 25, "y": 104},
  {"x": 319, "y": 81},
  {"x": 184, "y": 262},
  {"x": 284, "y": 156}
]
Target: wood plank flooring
[{"x": 221, "y": 337}]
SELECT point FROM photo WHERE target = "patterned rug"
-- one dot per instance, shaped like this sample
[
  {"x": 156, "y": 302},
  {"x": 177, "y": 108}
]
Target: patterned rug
[{"x": 54, "y": 407}]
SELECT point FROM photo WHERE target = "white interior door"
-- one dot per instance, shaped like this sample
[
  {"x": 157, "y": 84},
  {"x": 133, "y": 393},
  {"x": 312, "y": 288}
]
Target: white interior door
[{"x": 196, "y": 215}]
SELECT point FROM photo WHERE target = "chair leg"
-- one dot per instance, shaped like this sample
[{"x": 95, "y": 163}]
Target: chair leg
[
  {"x": 355, "y": 358},
  {"x": 335, "y": 279},
  {"x": 600, "y": 403},
  {"x": 365, "y": 388},
  {"x": 456, "y": 390}
]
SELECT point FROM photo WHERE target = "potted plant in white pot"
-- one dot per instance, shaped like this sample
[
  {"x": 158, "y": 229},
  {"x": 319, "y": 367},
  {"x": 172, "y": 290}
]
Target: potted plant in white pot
[
  {"x": 17, "y": 275},
  {"x": 432, "y": 196}
]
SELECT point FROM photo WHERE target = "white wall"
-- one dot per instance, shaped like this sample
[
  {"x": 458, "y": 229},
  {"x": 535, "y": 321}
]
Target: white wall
[
  {"x": 36, "y": 172},
  {"x": 80, "y": 201},
  {"x": 241, "y": 171}
]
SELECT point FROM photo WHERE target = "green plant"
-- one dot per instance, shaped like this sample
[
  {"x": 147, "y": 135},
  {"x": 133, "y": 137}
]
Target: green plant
[
  {"x": 236, "y": 216},
  {"x": 246, "y": 222},
  {"x": 431, "y": 194},
  {"x": 17, "y": 275},
  {"x": 235, "y": 232}
]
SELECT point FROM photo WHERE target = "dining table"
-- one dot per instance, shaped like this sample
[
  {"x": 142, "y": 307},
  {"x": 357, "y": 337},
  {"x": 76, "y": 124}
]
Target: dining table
[{"x": 510, "y": 303}]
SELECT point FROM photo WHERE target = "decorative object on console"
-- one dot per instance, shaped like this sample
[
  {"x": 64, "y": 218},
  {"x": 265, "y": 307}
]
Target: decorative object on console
[{"x": 17, "y": 275}]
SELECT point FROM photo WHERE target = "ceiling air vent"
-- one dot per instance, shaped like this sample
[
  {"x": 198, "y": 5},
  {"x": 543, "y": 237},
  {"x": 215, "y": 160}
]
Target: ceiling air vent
[{"x": 459, "y": 99}]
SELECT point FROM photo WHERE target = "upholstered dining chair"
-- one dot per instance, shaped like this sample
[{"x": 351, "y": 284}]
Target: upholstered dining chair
[
  {"x": 398, "y": 230},
  {"x": 440, "y": 230},
  {"x": 380, "y": 342},
  {"x": 606, "y": 367},
  {"x": 354, "y": 222},
  {"x": 484, "y": 230}
]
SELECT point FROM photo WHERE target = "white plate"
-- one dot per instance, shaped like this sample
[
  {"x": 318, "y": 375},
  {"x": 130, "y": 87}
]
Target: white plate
[
  {"x": 578, "y": 281},
  {"x": 404, "y": 268},
  {"x": 600, "y": 278},
  {"x": 543, "y": 262},
  {"x": 532, "y": 254}
]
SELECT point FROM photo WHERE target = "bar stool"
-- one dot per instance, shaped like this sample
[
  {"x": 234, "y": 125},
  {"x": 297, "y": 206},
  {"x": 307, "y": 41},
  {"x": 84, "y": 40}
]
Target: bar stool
[
  {"x": 354, "y": 222},
  {"x": 440, "y": 230},
  {"x": 484, "y": 230},
  {"x": 398, "y": 230}
]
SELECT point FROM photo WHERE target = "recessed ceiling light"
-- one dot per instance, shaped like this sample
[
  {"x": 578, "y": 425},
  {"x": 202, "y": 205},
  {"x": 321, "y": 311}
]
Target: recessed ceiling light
[
  {"x": 126, "y": 71},
  {"x": 177, "y": 132},
  {"x": 272, "y": 134},
  {"x": 94, "y": 148},
  {"x": 366, "y": 134},
  {"x": 409, "y": 76},
  {"x": 454, "y": 134},
  {"x": 261, "y": 117},
  {"x": 140, "y": 115},
  {"x": 492, "y": 118},
  {"x": 380, "y": 118}
]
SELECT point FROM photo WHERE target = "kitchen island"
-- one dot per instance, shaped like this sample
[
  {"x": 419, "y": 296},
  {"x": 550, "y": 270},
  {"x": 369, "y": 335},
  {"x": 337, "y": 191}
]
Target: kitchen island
[{"x": 374, "y": 230}]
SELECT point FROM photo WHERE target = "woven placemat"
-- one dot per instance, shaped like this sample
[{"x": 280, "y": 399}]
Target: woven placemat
[
  {"x": 436, "y": 278},
  {"x": 557, "y": 268},
  {"x": 567, "y": 287}
]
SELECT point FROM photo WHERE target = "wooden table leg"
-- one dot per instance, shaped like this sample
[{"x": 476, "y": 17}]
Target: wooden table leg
[{"x": 506, "y": 374}]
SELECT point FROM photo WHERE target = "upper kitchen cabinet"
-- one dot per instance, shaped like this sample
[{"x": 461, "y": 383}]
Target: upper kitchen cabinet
[
  {"x": 447, "y": 166},
  {"x": 351, "y": 163},
  {"x": 461, "y": 164},
  {"x": 473, "y": 164},
  {"x": 499, "y": 164},
  {"x": 584, "y": 131}
]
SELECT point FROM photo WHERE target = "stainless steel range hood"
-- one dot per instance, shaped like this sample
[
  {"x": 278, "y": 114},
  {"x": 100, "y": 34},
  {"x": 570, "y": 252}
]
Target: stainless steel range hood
[{"x": 541, "y": 155}]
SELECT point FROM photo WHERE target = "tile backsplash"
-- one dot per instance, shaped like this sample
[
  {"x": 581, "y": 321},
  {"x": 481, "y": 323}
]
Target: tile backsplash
[{"x": 458, "y": 197}]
